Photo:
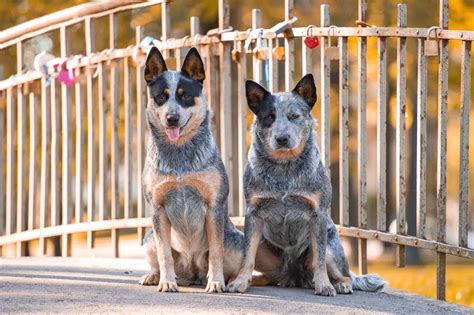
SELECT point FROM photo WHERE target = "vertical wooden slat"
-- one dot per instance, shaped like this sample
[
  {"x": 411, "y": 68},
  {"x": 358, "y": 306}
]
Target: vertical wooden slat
[
  {"x": 102, "y": 141},
  {"x": 66, "y": 98},
  {"x": 2, "y": 159},
  {"x": 272, "y": 64},
  {"x": 325, "y": 95},
  {"x": 422, "y": 88},
  {"x": 127, "y": 88},
  {"x": 114, "y": 118},
  {"x": 21, "y": 136},
  {"x": 289, "y": 49},
  {"x": 90, "y": 47},
  {"x": 382, "y": 134},
  {"x": 464, "y": 143},
  {"x": 141, "y": 105},
  {"x": 11, "y": 193},
  {"x": 256, "y": 63},
  {"x": 55, "y": 131},
  {"x": 242, "y": 125},
  {"x": 442, "y": 142},
  {"x": 343, "y": 133},
  {"x": 362, "y": 138},
  {"x": 32, "y": 183},
  {"x": 225, "y": 104},
  {"x": 400, "y": 137},
  {"x": 79, "y": 100},
  {"x": 165, "y": 24},
  {"x": 306, "y": 58},
  {"x": 45, "y": 155}
]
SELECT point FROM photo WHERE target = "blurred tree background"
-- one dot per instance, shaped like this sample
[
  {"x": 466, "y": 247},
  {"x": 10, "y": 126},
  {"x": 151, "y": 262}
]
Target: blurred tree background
[{"x": 342, "y": 13}]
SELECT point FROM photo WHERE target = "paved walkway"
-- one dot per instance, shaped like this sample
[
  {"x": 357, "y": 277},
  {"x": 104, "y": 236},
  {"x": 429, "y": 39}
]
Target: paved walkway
[{"x": 110, "y": 285}]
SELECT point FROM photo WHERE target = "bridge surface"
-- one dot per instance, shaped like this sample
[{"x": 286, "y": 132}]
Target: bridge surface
[{"x": 110, "y": 285}]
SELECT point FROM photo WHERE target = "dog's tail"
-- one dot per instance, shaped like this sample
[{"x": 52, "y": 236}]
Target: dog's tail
[{"x": 368, "y": 283}]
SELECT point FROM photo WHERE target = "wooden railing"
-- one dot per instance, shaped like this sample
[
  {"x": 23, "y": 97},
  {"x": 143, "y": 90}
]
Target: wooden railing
[{"x": 82, "y": 171}]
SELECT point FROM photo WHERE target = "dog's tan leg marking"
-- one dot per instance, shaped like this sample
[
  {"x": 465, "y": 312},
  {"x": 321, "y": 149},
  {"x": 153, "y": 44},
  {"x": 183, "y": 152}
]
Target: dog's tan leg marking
[
  {"x": 322, "y": 285},
  {"x": 243, "y": 280},
  {"x": 311, "y": 199},
  {"x": 163, "y": 249},
  {"x": 232, "y": 262},
  {"x": 215, "y": 236},
  {"x": 268, "y": 264},
  {"x": 152, "y": 278},
  {"x": 341, "y": 283}
]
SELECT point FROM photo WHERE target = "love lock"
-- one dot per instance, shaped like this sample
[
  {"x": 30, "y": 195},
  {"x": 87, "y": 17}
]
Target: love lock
[
  {"x": 261, "y": 50},
  {"x": 278, "y": 52},
  {"x": 235, "y": 52},
  {"x": 310, "y": 40},
  {"x": 431, "y": 45},
  {"x": 332, "y": 52}
]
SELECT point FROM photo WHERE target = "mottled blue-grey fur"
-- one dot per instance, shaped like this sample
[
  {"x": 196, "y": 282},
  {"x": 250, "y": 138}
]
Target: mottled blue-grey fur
[
  {"x": 288, "y": 193},
  {"x": 188, "y": 210}
]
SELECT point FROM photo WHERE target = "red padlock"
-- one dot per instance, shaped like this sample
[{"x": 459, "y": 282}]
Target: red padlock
[{"x": 311, "y": 42}]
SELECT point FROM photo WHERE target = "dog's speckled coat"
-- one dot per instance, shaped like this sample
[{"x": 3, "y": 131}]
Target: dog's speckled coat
[
  {"x": 185, "y": 183},
  {"x": 288, "y": 235}
]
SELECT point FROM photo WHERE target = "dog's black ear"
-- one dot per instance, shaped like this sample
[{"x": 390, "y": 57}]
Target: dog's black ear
[
  {"x": 155, "y": 65},
  {"x": 193, "y": 65},
  {"x": 256, "y": 94},
  {"x": 307, "y": 90}
]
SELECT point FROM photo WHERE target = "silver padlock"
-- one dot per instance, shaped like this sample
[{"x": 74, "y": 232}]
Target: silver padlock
[
  {"x": 431, "y": 45},
  {"x": 332, "y": 52}
]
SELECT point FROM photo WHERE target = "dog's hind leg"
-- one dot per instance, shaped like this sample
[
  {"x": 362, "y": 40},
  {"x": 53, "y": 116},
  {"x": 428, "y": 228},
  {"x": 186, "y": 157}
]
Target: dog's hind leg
[
  {"x": 269, "y": 264},
  {"x": 337, "y": 264}
]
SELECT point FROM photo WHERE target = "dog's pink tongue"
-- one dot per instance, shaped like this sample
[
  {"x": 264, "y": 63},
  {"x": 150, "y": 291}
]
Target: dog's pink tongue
[{"x": 173, "y": 133}]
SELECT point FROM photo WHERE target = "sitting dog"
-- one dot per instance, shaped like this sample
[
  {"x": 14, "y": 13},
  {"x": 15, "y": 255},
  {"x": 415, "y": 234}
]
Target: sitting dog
[
  {"x": 289, "y": 237},
  {"x": 193, "y": 240}
]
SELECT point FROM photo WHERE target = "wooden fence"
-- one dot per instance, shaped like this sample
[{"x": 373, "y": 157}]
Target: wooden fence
[{"x": 74, "y": 154}]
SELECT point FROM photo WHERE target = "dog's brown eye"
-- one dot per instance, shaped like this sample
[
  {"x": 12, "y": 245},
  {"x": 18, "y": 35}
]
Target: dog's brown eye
[
  {"x": 161, "y": 99},
  {"x": 294, "y": 116},
  {"x": 186, "y": 97}
]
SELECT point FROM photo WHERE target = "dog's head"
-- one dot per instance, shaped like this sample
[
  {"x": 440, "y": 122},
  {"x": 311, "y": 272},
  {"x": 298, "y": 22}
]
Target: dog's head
[
  {"x": 177, "y": 107},
  {"x": 283, "y": 120}
]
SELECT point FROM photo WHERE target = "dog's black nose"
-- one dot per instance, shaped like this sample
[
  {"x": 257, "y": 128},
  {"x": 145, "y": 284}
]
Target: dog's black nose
[
  {"x": 282, "y": 140},
  {"x": 172, "y": 120}
]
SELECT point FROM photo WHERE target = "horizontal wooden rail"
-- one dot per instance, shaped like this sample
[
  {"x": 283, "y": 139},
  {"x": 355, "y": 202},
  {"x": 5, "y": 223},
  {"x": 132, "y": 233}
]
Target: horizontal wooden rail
[
  {"x": 68, "y": 17},
  {"x": 132, "y": 223}
]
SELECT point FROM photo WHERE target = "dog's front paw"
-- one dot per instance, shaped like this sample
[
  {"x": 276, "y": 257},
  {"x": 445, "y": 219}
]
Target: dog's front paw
[
  {"x": 240, "y": 284},
  {"x": 167, "y": 286},
  {"x": 215, "y": 286},
  {"x": 343, "y": 287},
  {"x": 324, "y": 288},
  {"x": 150, "y": 279}
]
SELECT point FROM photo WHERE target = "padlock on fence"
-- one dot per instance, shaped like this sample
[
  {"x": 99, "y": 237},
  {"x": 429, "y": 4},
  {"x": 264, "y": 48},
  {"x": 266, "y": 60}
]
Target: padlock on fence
[
  {"x": 431, "y": 45},
  {"x": 278, "y": 53},
  {"x": 332, "y": 52},
  {"x": 261, "y": 50}
]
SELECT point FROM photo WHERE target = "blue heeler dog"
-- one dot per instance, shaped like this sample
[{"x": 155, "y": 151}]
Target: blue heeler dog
[
  {"x": 185, "y": 183},
  {"x": 289, "y": 237}
]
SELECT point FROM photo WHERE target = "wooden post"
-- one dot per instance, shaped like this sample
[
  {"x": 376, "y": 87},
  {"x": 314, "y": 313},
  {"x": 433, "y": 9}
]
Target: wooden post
[
  {"x": 2, "y": 159},
  {"x": 289, "y": 49},
  {"x": 400, "y": 138},
  {"x": 66, "y": 98},
  {"x": 45, "y": 155},
  {"x": 442, "y": 142},
  {"x": 21, "y": 207},
  {"x": 33, "y": 151},
  {"x": 242, "y": 126},
  {"x": 226, "y": 104},
  {"x": 382, "y": 134},
  {"x": 90, "y": 47},
  {"x": 325, "y": 95},
  {"x": 422, "y": 88},
  {"x": 165, "y": 24},
  {"x": 362, "y": 138},
  {"x": 141, "y": 105},
  {"x": 464, "y": 143},
  {"x": 10, "y": 215},
  {"x": 257, "y": 63},
  {"x": 343, "y": 133}
]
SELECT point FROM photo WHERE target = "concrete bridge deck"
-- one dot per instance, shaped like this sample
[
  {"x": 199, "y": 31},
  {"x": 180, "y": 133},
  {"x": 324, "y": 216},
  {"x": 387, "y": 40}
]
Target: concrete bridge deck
[{"x": 83, "y": 285}]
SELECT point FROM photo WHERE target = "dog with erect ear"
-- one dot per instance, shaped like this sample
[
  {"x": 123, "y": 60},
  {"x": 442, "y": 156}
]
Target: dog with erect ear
[
  {"x": 192, "y": 240},
  {"x": 289, "y": 236}
]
